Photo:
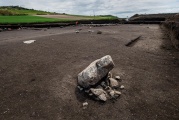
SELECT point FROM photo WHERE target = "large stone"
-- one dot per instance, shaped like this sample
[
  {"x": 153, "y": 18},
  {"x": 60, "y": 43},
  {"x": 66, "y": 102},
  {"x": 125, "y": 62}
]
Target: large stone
[{"x": 95, "y": 71}]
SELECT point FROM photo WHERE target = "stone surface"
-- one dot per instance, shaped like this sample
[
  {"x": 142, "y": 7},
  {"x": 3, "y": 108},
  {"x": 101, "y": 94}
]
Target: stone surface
[
  {"x": 99, "y": 93},
  {"x": 112, "y": 93},
  {"x": 109, "y": 75},
  {"x": 95, "y": 71},
  {"x": 117, "y": 93},
  {"x": 102, "y": 97},
  {"x": 113, "y": 83}
]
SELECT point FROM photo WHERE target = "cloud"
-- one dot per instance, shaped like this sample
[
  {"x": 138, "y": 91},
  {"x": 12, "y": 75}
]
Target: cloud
[{"x": 120, "y": 8}]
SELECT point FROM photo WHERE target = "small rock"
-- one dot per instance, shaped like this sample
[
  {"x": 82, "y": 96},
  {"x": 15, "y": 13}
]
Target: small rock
[
  {"x": 85, "y": 104},
  {"x": 112, "y": 93},
  {"x": 117, "y": 77},
  {"x": 29, "y": 41},
  {"x": 77, "y": 31},
  {"x": 102, "y": 97},
  {"x": 117, "y": 93},
  {"x": 90, "y": 94},
  {"x": 99, "y": 93},
  {"x": 122, "y": 87},
  {"x": 113, "y": 83},
  {"x": 109, "y": 75}
]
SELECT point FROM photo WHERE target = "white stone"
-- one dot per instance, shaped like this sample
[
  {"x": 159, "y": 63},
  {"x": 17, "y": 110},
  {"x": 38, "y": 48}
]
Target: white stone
[
  {"x": 122, "y": 87},
  {"x": 29, "y": 41},
  {"x": 117, "y": 77},
  {"x": 102, "y": 97},
  {"x": 85, "y": 104}
]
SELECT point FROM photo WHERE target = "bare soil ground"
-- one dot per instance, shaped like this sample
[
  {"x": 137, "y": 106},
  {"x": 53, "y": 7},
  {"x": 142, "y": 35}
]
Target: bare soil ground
[
  {"x": 65, "y": 17},
  {"x": 38, "y": 80}
]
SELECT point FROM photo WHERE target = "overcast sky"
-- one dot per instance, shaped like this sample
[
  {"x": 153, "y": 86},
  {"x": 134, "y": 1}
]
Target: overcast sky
[{"x": 120, "y": 8}]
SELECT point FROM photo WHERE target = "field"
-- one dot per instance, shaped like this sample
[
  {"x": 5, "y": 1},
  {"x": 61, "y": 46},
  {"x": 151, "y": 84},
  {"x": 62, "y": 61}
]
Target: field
[
  {"x": 17, "y": 15},
  {"x": 47, "y": 18},
  {"x": 27, "y": 19},
  {"x": 38, "y": 80}
]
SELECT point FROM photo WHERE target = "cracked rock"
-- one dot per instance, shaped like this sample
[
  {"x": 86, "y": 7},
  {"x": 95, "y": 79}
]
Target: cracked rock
[{"x": 95, "y": 71}]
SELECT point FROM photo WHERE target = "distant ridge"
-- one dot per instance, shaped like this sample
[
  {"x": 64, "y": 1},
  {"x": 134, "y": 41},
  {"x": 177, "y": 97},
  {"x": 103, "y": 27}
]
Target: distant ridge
[{"x": 151, "y": 17}]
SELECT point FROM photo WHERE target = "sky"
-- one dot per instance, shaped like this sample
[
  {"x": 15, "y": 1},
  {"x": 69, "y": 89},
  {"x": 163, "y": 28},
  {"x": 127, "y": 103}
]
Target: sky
[{"x": 120, "y": 8}]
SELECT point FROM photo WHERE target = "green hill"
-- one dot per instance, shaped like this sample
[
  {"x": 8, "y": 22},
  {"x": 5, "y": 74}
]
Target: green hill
[
  {"x": 18, "y": 15},
  {"x": 16, "y": 10}
]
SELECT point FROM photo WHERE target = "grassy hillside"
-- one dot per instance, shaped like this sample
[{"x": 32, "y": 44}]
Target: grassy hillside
[
  {"x": 16, "y": 15},
  {"x": 28, "y": 19},
  {"x": 16, "y": 10}
]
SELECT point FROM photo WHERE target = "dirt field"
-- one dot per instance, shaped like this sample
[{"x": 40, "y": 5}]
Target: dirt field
[{"x": 38, "y": 80}]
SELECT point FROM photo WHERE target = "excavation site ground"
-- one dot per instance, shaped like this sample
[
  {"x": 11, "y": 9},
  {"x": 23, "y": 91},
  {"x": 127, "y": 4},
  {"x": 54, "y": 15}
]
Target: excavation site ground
[{"x": 39, "y": 80}]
